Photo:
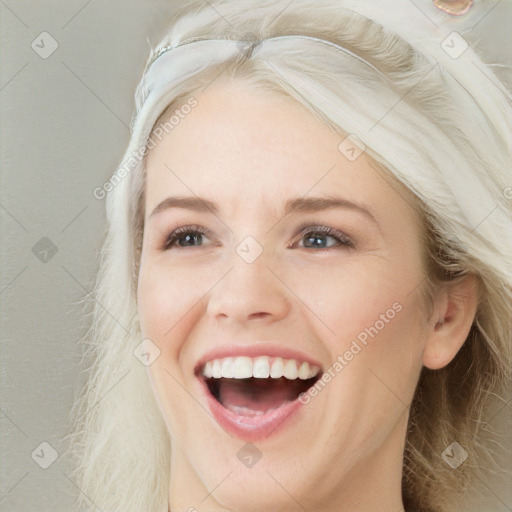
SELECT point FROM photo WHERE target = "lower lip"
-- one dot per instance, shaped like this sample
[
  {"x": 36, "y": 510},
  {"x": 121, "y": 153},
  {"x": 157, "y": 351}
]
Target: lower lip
[{"x": 251, "y": 428}]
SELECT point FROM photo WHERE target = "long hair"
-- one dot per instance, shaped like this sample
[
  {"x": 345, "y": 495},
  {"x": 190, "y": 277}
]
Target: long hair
[{"x": 435, "y": 140}]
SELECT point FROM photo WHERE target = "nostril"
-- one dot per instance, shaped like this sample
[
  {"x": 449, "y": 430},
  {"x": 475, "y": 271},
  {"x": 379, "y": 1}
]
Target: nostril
[{"x": 259, "y": 315}]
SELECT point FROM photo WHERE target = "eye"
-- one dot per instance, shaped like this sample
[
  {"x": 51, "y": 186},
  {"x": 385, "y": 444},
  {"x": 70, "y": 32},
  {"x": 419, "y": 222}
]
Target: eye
[
  {"x": 315, "y": 236},
  {"x": 186, "y": 236}
]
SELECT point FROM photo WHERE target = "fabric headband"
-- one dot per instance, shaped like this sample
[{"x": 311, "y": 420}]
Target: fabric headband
[{"x": 369, "y": 110}]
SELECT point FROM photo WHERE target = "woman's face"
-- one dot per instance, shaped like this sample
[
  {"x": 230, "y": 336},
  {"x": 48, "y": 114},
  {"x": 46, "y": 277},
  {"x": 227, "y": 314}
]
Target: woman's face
[{"x": 307, "y": 261}]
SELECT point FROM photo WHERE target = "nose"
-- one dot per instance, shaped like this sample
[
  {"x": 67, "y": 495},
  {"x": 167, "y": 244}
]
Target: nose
[{"x": 249, "y": 291}]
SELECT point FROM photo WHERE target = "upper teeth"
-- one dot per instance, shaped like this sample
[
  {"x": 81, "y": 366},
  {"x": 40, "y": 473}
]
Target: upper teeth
[{"x": 259, "y": 367}]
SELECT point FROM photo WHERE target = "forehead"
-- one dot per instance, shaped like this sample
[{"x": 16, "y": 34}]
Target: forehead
[{"x": 244, "y": 146}]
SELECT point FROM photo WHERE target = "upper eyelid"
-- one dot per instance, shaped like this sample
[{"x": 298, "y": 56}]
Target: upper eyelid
[
  {"x": 304, "y": 227},
  {"x": 321, "y": 228}
]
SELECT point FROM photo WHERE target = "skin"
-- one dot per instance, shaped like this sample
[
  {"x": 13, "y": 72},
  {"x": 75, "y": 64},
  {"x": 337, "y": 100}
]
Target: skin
[{"x": 250, "y": 151}]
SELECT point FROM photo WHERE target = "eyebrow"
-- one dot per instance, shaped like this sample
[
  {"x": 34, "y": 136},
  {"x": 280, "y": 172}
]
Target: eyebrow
[{"x": 299, "y": 204}]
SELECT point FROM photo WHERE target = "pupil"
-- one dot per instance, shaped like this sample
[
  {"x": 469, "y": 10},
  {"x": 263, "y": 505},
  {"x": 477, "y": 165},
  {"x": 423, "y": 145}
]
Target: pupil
[
  {"x": 314, "y": 240},
  {"x": 189, "y": 239}
]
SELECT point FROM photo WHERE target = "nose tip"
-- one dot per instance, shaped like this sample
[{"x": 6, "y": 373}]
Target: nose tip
[{"x": 248, "y": 292}]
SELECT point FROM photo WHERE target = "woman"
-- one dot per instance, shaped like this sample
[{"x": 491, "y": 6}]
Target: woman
[{"x": 304, "y": 293}]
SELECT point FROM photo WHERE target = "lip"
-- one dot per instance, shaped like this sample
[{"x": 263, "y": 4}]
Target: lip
[{"x": 255, "y": 428}]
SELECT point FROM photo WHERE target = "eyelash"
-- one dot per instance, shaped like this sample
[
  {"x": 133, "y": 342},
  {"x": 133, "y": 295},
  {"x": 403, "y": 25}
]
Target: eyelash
[{"x": 342, "y": 239}]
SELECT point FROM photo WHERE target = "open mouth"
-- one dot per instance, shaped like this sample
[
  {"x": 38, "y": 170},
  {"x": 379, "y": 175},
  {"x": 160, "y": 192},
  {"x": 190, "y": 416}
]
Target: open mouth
[{"x": 256, "y": 387}]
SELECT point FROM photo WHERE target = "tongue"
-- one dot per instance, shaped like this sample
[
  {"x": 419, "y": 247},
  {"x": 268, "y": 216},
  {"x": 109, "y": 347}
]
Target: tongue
[{"x": 254, "y": 397}]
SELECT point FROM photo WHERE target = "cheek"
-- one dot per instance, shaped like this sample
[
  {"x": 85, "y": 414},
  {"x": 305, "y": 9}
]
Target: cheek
[
  {"x": 161, "y": 304},
  {"x": 370, "y": 308},
  {"x": 382, "y": 338},
  {"x": 350, "y": 295},
  {"x": 168, "y": 305},
  {"x": 169, "y": 301}
]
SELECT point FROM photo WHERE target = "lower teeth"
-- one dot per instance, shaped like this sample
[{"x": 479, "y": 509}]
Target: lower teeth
[{"x": 245, "y": 411}]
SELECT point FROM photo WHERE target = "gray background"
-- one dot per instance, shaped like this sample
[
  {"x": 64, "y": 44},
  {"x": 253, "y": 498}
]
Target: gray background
[{"x": 64, "y": 127}]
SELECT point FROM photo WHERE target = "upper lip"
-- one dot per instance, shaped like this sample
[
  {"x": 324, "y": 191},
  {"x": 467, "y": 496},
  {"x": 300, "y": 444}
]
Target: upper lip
[{"x": 255, "y": 349}]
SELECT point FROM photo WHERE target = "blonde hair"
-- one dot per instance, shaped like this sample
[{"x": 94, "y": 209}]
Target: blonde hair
[{"x": 119, "y": 441}]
